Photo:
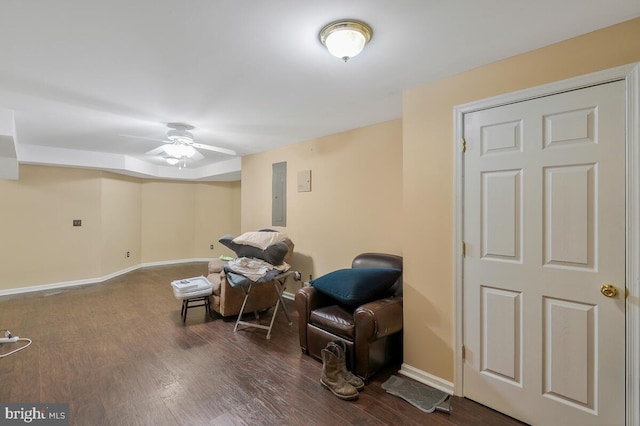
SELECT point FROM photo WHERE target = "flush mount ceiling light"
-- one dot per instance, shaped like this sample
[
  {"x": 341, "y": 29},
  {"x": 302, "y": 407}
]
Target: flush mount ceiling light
[{"x": 345, "y": 38}]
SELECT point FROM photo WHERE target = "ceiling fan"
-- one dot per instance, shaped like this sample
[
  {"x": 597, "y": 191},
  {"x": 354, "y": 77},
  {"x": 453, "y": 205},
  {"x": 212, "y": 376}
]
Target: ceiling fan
[{"x": 180, "y": 145}]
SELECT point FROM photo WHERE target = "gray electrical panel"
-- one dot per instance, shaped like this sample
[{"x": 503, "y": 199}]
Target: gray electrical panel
[{"x": 279, "y": 194}]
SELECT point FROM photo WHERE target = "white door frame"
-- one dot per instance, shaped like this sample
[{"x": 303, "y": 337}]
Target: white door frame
[{"x": 631, "y": 75}]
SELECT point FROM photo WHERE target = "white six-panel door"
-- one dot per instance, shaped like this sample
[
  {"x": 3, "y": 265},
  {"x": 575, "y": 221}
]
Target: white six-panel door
[{"x": 544, "y": 229}]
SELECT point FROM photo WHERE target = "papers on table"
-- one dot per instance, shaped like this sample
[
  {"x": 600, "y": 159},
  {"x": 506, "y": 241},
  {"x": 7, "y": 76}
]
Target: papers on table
[{"x": 191, "y": 285}]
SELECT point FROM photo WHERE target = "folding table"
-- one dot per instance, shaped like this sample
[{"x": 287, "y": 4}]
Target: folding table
[{"x": 279, "y": 285}]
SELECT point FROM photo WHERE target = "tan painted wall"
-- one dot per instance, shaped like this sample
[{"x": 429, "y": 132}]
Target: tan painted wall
[
  {"x": 353, "y": 207},
  {"x": 217, "y": 213},
  {"x": 121, "y": 222},
  {"x": 39, "y": 245},
  {"x": 168, "y": 209},
  {"x": 429, "y": 174},
  {"x": 182, "y": 219}
]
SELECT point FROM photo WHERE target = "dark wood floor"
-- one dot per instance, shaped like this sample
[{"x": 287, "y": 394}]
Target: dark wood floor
[{"x": 118, "y": 353}]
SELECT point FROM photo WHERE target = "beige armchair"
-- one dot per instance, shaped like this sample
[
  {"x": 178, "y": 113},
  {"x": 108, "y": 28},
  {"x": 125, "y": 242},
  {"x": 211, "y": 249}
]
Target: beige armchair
[{"x": 227, "y": 300}]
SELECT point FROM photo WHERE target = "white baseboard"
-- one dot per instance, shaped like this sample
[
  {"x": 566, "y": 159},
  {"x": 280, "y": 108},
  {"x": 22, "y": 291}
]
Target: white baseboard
[
  {"x": 173, "y": 262},
  {"x": 65, "y": 284},
  {"x": 426, "y": 378}
]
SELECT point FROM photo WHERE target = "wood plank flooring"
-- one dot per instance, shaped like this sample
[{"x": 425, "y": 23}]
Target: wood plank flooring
[{"x": 119, "y": 354}]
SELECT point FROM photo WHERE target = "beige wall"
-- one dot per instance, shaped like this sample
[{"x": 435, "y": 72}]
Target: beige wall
[
  {"x": 154, "y": 220},
  {"x": 121, "y": 222},
  {"x": 355, "y": 202},
  {"x": 38, "y": 242},
  {"x": 182, "y": 219},
  {"x": 428, "y": 174},
  {"x": 168, "y": 209},
  {"x": 217, "y": 213}
]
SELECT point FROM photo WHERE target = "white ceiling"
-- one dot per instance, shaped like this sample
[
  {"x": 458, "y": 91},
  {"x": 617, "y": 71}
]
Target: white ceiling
[{"x": 249, "y": 75}]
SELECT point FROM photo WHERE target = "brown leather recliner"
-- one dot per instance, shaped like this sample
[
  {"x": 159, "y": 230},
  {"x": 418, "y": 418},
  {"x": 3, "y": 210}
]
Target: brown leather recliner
[{"x": 372, "y": 332}]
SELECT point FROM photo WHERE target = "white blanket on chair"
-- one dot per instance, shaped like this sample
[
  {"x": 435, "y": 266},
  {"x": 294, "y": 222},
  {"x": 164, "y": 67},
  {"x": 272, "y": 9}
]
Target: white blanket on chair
[{"x": 260, "y": 240}]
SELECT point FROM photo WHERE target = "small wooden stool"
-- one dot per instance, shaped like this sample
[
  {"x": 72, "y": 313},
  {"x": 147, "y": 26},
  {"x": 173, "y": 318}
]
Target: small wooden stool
[
  {"x": 186, "y": 305},
  {"x": 188, "y": 300}
]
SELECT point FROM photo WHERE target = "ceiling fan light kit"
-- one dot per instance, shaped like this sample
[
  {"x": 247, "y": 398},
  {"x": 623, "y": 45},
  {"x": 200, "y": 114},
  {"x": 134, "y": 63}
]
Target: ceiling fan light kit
[
  {"x": 345, "y": 38},
  {"x": 180, "y": 150}
]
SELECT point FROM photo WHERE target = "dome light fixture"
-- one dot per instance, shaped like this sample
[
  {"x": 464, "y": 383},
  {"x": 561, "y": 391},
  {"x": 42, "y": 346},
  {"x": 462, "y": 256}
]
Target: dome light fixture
[{"x": 345, "y": 38}]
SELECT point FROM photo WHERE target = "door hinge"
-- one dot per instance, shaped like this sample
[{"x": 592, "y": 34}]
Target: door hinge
[
  {"x": 464, "y": 249},
  {"x": 464, "y": 352},
  {"x": 464, "y": 145}
]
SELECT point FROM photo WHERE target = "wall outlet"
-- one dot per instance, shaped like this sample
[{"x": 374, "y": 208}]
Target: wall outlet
[
  {"x": 211, "y": 247},
  {"x": 128, "y": 254},
  {"x": 77, "y": 222}
]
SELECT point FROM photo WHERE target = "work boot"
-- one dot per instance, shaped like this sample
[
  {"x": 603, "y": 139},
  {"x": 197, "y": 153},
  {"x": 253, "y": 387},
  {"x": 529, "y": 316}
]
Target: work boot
[
  {"x": 331, "y": 378},
  {"x": 351, "y": 378}
]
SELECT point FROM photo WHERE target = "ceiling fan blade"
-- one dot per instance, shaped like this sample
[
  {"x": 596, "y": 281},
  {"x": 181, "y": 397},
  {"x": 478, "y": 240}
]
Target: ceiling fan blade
[
  {"x": 197, "y": 156},
  {"x": 156, "y": 151},
  {"x": 162, "y": 150},
  {"x": 214, "y": 148},
  {"x": 146, "y": 138}
]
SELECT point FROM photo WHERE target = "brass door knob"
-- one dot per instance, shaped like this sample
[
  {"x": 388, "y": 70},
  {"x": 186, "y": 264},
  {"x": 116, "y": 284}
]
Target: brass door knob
[{"x": 608, "y": 290}]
